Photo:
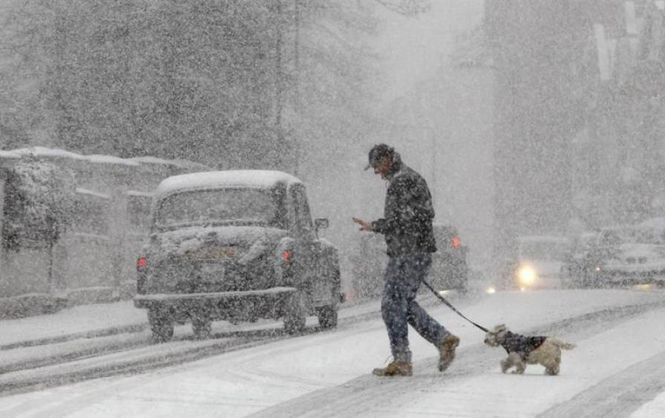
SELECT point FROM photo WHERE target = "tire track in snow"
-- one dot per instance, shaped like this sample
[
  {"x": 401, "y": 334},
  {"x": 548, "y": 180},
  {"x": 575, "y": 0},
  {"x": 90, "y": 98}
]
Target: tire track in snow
[
  {"x": 619, "y": 395},
  {"x": 129, "y": 352},
  {"x": 369, "y": 394}
]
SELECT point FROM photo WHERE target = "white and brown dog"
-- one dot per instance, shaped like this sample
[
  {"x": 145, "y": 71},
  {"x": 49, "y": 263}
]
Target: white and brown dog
[{"x": 523, "y": 350}]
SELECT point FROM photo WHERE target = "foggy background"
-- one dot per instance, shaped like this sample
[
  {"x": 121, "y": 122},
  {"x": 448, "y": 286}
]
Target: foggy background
[
  {"x": 525, "y": 117},
  {"x": 538, "y": 124}
]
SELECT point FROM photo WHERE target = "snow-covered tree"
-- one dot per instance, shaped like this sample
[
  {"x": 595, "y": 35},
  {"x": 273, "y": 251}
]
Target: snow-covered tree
[{"x": 38, "y": 199}]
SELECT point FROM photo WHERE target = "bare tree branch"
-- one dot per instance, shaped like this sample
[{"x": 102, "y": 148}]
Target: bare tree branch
[{"x": 406, "y": 7}]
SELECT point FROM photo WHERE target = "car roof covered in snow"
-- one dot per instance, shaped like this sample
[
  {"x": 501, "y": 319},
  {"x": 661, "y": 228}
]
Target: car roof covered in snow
[
  {"x": 655, "y": 223},
  {"x": 221, "y": 179},
  {"x": 542, "y": 238}
]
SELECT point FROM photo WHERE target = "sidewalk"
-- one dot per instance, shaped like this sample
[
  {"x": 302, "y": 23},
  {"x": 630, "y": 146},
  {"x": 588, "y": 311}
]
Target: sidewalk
[
  {"x": 101, "y": 319},
  {"x": 82, "y": 320}
]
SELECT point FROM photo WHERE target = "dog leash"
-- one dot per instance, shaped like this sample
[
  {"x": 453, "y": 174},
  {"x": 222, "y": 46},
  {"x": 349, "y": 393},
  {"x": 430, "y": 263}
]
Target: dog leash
[{"x": 451, "y": 306}]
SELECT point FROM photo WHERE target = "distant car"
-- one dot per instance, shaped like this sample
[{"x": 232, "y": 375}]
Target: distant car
[
  {"x": 537, "y": 263},
  {"x": 449, "y": 263},
  {"x": 629, "y": 255},
  {"x": 368, "y": 263},
  {"x": 450, "y": 269},
  {"x": 582, "y": 261},
  {"x": 238, "y": 246}
]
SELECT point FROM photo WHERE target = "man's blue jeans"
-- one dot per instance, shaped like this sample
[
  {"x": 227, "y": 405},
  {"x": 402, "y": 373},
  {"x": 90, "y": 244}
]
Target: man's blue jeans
[{"x": 403, "y": 277}]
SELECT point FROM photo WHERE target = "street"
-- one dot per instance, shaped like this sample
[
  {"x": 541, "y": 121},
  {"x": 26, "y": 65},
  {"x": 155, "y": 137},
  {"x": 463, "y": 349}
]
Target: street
[
  {"x": 257, "y": 370},
  {"x": 225, "y": 208}
]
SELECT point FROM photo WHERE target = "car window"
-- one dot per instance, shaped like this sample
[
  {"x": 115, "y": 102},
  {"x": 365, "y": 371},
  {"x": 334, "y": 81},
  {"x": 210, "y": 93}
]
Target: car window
[
  {"x": 610, "y": 238},
  {"x": 443, "y": 234},
  {"x": 303, "y": 218},
  {"x": 542, "y": 250},
  {"x": 220, "y": 205}
]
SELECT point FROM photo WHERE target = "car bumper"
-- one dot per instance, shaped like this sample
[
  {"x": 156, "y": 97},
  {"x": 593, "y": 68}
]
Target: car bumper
[
  {"x": 183, "y": 300},
  {"x": 541, "y": 281},
  {"x": 631, "y": 277}
]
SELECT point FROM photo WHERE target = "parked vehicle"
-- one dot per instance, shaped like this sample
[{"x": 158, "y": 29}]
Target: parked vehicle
[
  {"x": 450, "y": 269},
  {"x": 582, "y": 260},
  {"x": 630, "y": 255},
  {"x": 368, "y": 265},
  {"x": 537, "y": 263},
  {"x": 449, "y": 263},
  {"x": 238, "y": 246}
]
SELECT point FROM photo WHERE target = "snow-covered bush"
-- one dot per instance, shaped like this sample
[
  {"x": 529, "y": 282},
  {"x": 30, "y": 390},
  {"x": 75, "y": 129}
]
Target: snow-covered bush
[{"x": 38, "y": 202}]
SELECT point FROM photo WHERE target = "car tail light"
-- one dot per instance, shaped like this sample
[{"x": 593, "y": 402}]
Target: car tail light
[
  {"x": 456, "y": 242},
  {"x": 287, "y": 256},
  {"x": 141, "y": 263}
]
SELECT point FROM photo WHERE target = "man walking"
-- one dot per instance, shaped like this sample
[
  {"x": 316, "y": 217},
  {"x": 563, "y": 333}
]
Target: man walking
[{"x": 407, "y": 227}]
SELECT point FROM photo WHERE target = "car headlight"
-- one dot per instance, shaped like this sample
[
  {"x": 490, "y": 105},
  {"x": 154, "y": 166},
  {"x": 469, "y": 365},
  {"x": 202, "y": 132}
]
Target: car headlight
[{"x": 526, "y": 275}]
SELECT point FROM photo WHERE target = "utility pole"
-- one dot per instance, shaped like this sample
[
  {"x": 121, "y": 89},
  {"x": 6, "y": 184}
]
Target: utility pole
[
  {"x": 279, "y": 84},
  {"x": 297, "y": 102},
  {"x": 430, "y": 132},
  {"x": 169, "y": 67},
  {"x": 58, "y": 77}
]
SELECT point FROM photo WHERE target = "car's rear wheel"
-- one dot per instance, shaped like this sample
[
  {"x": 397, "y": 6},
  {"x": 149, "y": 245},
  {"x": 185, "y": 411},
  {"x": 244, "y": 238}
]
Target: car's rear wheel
[
  {"x": 327, "y": 316},
  {"x": 201, "y": 325},
  {"x": 295, "y": 315},
  {"x": 583, "y": 283},
  {"x": 463, "y": 288},
  {"x": 161, "y": 323}
]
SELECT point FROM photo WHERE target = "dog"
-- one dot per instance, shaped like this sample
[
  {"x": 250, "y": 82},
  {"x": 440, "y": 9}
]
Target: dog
[{"x": 523, "y": 350}]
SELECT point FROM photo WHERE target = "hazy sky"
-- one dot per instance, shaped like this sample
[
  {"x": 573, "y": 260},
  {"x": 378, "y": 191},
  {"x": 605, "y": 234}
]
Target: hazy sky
[
  {"x": 455, "y": 157},
  {"x": 415, "y": 47}
]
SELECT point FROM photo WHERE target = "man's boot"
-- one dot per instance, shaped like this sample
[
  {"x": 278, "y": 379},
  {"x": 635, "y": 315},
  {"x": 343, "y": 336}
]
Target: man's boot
[
  {"x": 447, "y": 351},
  {"x": 395, "y": 368}
]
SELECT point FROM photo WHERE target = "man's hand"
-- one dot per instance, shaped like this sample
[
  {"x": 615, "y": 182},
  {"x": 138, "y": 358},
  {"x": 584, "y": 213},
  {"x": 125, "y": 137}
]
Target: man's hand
[{"x": 364, "y": 225}]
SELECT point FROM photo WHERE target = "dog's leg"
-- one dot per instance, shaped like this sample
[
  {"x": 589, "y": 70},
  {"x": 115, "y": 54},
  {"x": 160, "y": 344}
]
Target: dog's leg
[
  {"x": 552, "y": 367},
  {"x": 549, "y": 355},
  {"x": 506, "y": 364},
  {"x": 515, "y": 359},
  {"x": 520, "y": 367}
]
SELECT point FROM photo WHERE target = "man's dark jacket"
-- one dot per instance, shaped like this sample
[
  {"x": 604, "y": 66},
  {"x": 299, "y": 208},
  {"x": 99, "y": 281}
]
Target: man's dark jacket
[{"x": 408, "y": 213}]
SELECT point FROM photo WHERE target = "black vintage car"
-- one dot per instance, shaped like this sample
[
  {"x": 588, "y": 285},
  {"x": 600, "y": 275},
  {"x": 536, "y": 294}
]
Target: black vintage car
[{"x": 238, "y": 246}]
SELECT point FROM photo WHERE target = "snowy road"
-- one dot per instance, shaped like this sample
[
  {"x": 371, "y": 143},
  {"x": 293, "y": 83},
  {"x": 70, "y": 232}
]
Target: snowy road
[
  {"x": 27, "y": 364},
  {"x": 617, "y": 369}
]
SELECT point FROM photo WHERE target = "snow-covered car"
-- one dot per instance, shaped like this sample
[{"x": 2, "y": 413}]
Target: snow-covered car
[
  {"x": 450, "y": 269},
  {"x": 368, "y": 263},
  {"x": 582, "y": 260},
  {"x": 537, "y": 263},
  {"x": 237, "y": 246},
  {"x": 449, "y": 263},
  {"x": 630, "y": 255}
]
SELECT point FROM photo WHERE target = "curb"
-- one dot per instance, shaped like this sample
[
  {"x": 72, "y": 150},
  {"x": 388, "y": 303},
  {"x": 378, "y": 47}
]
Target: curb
[{"x": 75, "y": 336}]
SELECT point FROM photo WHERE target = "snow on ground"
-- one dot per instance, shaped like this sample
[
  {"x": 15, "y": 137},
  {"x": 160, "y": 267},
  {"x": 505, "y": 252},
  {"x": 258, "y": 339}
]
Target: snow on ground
[
  {"x": 655, "y": 408},
  {"x": 78, "y": 319},
  {"x": 255, "y": 379},
  {"x": 498, "y": 395}
]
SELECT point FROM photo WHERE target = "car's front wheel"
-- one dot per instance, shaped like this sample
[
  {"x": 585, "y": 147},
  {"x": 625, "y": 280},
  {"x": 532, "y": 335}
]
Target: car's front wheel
[
  {"x": 161, "y": 323},
  {"x": 327, "y": 316},
  {"x": 295, "y": 314},
  {"x": 202, "y": 326},
  {"x": 463, "y": 288}
]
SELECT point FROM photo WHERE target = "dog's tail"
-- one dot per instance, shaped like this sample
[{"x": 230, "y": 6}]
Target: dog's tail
[{"x": 562, "y": 344}]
